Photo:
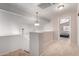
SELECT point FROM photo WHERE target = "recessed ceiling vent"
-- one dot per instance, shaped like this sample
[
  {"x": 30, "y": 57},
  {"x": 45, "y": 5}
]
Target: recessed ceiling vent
[{"x": 46, "y": 5}]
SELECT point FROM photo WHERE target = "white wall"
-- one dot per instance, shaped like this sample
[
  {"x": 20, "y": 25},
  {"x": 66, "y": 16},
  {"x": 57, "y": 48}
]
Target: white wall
[
  {"x": 78, "y": 30},
  {"x": 6, "y": 25},
  {"x": 10, "y": 34},
  {"x": 48, "y": 27},
  {"x": 78, "y": 26}
]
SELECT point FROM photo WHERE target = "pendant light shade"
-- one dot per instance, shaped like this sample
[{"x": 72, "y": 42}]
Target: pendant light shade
[{"x": 37, "y": 21}]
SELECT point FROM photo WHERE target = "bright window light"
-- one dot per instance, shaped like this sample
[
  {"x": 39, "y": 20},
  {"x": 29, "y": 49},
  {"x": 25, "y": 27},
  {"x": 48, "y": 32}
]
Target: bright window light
[{"x": 64, "y": 21}]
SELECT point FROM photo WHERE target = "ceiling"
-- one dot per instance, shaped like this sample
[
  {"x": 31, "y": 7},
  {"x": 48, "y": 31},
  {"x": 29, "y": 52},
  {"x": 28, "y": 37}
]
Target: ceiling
[{"x": 28, "y": 10}]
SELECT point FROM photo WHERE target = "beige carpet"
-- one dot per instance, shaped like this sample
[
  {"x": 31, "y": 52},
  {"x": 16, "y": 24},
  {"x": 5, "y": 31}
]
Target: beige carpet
[{"x": 61, "y": 48}]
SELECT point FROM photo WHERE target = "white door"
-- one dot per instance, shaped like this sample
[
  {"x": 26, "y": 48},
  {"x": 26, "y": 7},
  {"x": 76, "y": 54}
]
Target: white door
[{"x": 34, "y": 43}]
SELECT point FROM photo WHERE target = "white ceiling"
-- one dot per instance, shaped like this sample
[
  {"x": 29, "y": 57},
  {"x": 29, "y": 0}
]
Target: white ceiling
[{"x": 28, "y": 10}]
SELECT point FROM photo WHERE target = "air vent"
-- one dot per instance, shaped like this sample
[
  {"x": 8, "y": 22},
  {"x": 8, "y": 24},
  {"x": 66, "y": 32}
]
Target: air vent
[{"x": 46, "y": 5}]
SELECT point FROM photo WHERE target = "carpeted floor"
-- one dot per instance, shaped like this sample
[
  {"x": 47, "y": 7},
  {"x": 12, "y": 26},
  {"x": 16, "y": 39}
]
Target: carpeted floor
[
  {"x": 61, "y": 48},
  {"x": 18, "y": 52}
]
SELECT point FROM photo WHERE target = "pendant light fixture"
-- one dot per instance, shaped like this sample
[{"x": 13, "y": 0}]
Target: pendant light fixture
[{"x": 37, "y": 21}]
